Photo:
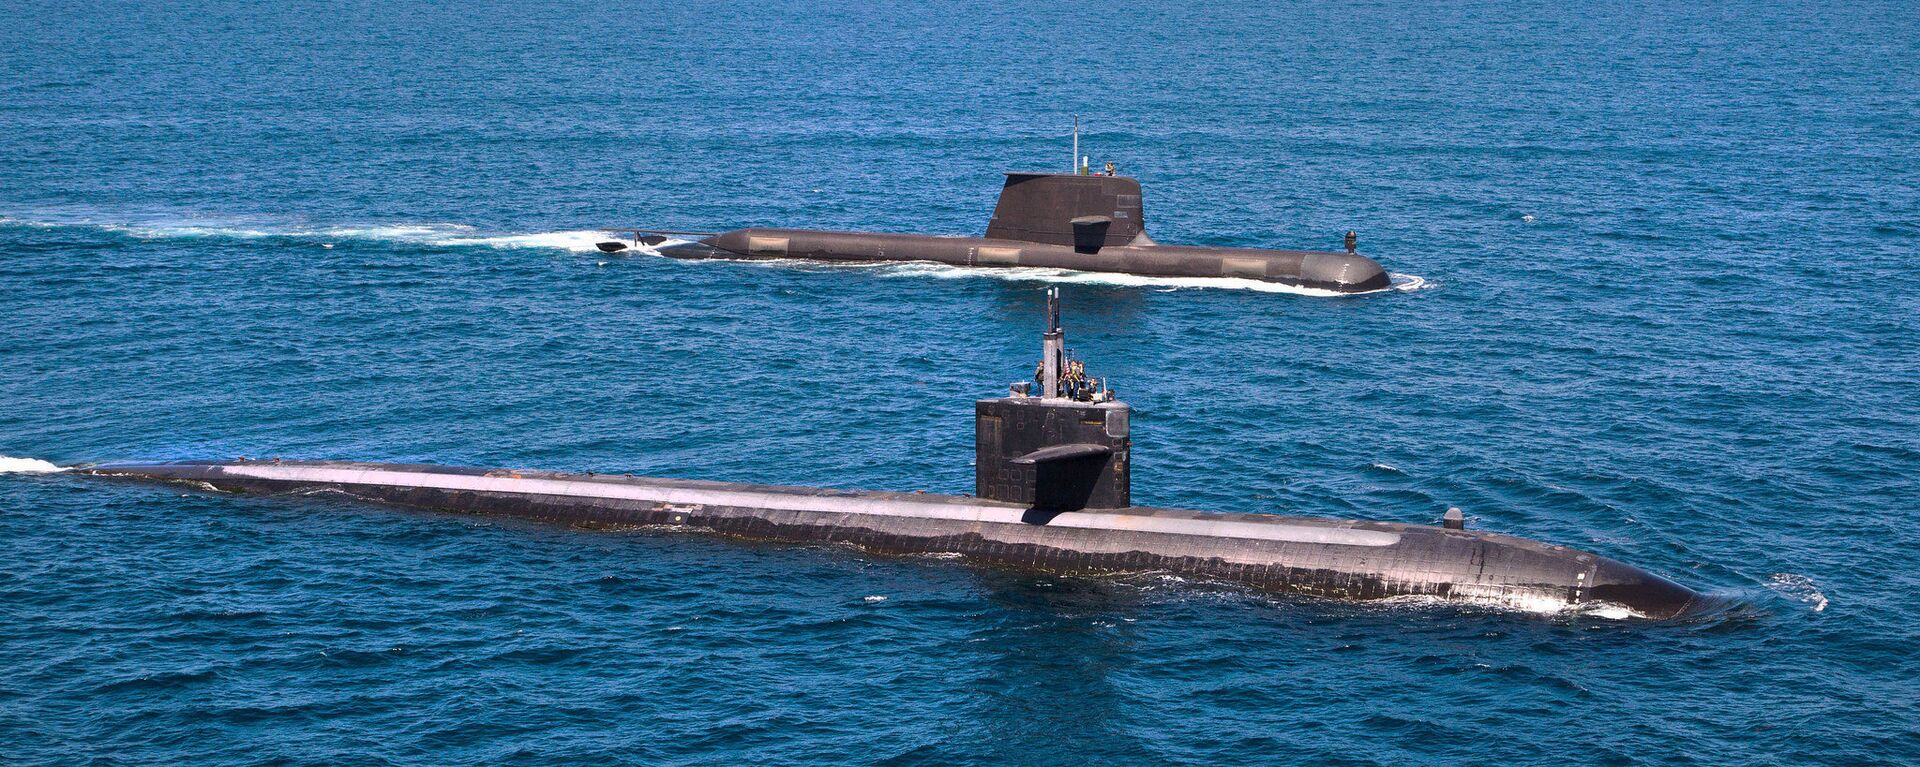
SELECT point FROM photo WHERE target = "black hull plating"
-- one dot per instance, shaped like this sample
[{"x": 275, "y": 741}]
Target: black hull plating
[
  {"x": 1329, "y": 558},
  {"x": 1338, "y": 272}
]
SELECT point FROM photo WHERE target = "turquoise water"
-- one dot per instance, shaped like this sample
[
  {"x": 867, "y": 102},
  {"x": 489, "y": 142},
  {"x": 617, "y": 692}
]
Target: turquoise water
[{"x": 1656, "y": 305}]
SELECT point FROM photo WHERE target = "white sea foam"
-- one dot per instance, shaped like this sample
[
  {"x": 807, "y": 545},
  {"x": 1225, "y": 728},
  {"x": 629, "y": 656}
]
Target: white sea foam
[
  {"x": 1071, "y": 277},
  {"x": 1407, "y": 283},
  {"x": 11, "y": 465},
  {"x": 251, "y": 228},
  {"x": 1539, "y": 602},
  {"x": 929, "y": 269},
  {"x": 575, "y": 241},
  {"x": 186, "y": 231},
  {"x": 1799, "y": 588},
  {"x": 164, "y": 227},
  {"x": 1608, "y": 611}
]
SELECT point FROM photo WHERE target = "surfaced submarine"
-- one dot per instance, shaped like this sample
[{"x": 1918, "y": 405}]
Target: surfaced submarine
[
  {"x": 1078, "y": 221},
  {"x": 1052, "y": 493}
]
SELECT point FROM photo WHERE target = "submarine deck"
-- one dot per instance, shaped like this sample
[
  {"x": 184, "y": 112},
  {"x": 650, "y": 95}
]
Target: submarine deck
[
  {"x": 960, "y": 508},
  {"x": 1325, "y": 557}
]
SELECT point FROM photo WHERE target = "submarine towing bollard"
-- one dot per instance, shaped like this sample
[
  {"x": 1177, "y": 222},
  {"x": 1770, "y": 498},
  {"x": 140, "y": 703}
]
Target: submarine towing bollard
[{"x": 1052, "y": 493}]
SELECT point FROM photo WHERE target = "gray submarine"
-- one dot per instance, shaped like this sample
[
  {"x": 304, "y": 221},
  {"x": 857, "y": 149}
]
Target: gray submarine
[
  {"x": 1079, "y": 221},
  {"x": 1052, "y": 493}
]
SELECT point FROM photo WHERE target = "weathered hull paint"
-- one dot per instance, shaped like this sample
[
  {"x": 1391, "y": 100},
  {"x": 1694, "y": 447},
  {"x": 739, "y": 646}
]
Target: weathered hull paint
[{"x": 1322, "y": 557}]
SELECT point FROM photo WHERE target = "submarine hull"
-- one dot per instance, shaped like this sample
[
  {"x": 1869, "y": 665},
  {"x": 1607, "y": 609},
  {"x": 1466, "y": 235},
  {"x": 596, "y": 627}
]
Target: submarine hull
[
  {"x": 1337, "y": 272},
  {"x": 1321, "y": 557}
]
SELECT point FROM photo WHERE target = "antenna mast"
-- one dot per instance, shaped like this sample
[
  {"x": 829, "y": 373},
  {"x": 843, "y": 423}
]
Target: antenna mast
[
  {"x": 1054, "y": 347},
  {"x": 1074, "y": 166}
]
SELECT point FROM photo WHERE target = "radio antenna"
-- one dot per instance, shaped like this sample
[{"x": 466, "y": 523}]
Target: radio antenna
[
  {"x": 1074, "y": 166},
  {"x": 1053, "y": 348}
]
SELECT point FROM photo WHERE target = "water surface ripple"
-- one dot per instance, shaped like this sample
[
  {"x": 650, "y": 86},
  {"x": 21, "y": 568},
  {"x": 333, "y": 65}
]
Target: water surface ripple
[{"x": 1667, "y": 316}]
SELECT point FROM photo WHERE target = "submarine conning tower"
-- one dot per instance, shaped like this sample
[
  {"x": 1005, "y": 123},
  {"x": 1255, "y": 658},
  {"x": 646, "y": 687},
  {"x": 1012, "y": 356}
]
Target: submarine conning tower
[
  {"x": 1102, "y": 218},
  {"x": 1063, "y": 449},
  {"x": 1086, "y": 213}
]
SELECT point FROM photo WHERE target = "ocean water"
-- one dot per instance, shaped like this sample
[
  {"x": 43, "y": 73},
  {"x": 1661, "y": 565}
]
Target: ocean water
[{"x": 1656, "y": 302}]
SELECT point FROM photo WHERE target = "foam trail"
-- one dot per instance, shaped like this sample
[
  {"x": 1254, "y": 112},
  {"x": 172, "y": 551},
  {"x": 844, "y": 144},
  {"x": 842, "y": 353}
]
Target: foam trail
[
  {"x": 169, "y": 227},
  {"x": 575, "y": 241},
  {"x": 1541, "y": 607},
  {"x": 11, "y": 465},
  {"x": 1407, "y": 283},
  {"x": 1798, "y": 588},
  {"x": 1069, "y": 276}
]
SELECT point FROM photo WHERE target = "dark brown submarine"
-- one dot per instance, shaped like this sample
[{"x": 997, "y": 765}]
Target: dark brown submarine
[{"x": 1078, "y": 221}]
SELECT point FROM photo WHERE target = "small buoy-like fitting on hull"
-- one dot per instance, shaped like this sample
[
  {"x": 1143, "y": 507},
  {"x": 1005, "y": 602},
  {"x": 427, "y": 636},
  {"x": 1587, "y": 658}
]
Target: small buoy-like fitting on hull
[{"x": 1454, "y": 520}]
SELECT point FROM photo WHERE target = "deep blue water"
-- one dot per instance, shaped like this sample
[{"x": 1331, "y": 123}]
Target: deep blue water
[{"x": 353, "y": 231}]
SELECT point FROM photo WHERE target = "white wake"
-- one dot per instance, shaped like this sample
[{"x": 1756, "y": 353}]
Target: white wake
[
  {"x": 11, "y": 465},
  {"x": 1798, "y": 588},
  {"x": 934, "y": 270},
  {"x": 166, "y": 227}
]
